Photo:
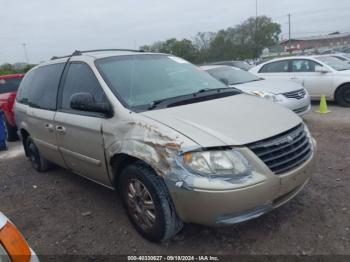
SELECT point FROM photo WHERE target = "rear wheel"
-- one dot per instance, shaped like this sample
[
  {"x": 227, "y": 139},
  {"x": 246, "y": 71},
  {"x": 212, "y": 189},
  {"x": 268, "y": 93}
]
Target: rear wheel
[
  {"x": 342, "y": 96},
  {"x": 148, "y": 203},
  {"x": 11, "y": 132},
  {"x": 38, "y": 162}
]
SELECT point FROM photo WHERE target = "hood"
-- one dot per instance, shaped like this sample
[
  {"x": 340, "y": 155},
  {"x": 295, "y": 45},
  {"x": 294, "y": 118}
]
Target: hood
[
  {"x": 234, "y": 120},
  {"x": 344, "y": 72},
  {"x": 271, "y": 86}
]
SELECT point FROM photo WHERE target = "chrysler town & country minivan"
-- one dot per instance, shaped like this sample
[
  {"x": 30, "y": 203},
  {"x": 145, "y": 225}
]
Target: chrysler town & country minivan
[{"x": 180, "y": 146}]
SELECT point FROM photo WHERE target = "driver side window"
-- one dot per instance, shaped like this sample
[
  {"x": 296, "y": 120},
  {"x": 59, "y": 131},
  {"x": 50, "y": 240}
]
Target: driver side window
[{"x": 81, "y": 79}]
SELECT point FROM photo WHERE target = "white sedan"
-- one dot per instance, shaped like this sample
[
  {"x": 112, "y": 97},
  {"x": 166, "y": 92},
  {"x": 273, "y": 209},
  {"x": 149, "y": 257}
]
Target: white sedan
[
  {"x": 286, "y": 93},
  {"x": 320, "y": 75}
]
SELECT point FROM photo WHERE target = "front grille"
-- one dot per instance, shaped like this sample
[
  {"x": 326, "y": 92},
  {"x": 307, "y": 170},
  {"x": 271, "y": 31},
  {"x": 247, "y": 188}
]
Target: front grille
[
  {"x": 285, "y": 151},
  {"x": 298, "y": 94},
  {"x": 301, "y": 110}
]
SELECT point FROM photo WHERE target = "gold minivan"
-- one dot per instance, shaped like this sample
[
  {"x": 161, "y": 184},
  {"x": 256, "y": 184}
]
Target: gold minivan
[{"x": 180, "y": 146}]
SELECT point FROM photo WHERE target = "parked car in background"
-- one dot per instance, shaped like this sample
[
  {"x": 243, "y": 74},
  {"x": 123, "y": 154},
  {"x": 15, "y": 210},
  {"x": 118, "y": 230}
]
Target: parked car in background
[
  {"x": 8, "y": 89},
  {"x": 320, "y": 75},
  {"x": 13, "y": 246},
  {"x": 178, "y": 144},
  {"x": 342, "y": 56},
  {"x": 238, "y": 64},
  {"x": 286, "y": 93}
]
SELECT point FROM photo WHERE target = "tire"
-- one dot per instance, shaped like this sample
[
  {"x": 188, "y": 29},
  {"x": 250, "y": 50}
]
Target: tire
[
  {"x": 39, "y": 163},
  {"x": 11, "y": 132},
  {"x": 165, "y": 223},
  {"x": 342, "y": 96}
]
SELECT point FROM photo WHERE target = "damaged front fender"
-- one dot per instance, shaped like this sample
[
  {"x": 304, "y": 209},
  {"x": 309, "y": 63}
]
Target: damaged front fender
[{"x": 147, "y": 140}]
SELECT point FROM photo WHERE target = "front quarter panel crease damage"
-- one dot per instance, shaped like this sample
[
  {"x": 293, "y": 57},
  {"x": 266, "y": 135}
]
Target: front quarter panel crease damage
[
  {"x": 156, "y": 146},
  {"x": 160, "y": 147}
]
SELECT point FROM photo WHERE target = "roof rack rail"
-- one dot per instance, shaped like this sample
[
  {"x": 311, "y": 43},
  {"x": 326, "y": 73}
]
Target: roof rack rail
[{"x": 77, "y": 52}]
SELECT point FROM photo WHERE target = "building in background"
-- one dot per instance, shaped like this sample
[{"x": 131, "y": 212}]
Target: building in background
[{"x": 331, "y": 41}]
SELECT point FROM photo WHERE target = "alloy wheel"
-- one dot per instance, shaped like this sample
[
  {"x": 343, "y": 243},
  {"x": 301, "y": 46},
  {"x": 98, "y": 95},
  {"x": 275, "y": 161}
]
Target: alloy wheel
[
  {"x": 33, "y": 155},
  {"x": 141, "y": 205}
]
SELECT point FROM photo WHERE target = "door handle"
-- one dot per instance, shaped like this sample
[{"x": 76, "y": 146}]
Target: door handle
[
  {"x": 49, "y": 127},
  {"x": 60, "y": 130}
]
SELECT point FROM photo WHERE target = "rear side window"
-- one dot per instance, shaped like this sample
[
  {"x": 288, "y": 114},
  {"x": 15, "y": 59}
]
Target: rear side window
[
  {"x": 9, "y": 85},
  {"x": 23, "y": 91},
  {"x": 81, "y": 79},
  {"x": 303, "y": 65},
  {"x": 39, "y": 87},
  {"x": 276, "y": 67}
]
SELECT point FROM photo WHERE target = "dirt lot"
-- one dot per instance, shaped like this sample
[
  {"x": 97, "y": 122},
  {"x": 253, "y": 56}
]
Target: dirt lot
[{"x": 61, "y": 213}]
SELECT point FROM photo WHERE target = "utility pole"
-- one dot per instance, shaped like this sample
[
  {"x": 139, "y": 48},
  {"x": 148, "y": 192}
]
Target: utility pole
[
  {"x": 25, "y": 53},
  {"x": 256, "y": 25},
  {"x": 290, "y": 34}
]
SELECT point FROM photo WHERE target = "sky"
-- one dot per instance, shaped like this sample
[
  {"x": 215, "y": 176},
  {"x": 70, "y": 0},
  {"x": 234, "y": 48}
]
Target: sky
[{"x": 52, "y": 28}]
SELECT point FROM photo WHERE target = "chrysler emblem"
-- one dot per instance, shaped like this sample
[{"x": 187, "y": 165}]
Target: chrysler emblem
[
  {"x": 300, "y": 94},
  {"x": 290, "y": 139}
]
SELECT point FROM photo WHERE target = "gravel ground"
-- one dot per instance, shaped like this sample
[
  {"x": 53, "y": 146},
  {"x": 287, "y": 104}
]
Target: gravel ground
[{"x": 61, "y": 213}]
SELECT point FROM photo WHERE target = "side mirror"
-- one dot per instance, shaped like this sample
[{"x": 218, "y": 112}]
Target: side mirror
[
  {"x": 321, "y": 69},
  {"x": 86, "y": 102},
  {"x": 224, "y": 80}
]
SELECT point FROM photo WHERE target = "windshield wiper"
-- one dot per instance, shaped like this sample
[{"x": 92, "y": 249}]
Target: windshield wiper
[
  {"x": 192, "y": 96},
  {"x": 217, "y": 90}
]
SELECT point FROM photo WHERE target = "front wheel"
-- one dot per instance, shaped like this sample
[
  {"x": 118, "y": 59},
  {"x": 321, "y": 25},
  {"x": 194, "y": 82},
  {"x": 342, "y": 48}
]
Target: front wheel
[
  {"x": 148, "y": 204},
  {"x": 342, "y": 96}
]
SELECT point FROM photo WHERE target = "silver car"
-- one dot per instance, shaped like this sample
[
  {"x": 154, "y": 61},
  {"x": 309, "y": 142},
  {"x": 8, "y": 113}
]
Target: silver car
[
  {"x": 180, "y": 146},
  {"x": 286, "y": 93}
]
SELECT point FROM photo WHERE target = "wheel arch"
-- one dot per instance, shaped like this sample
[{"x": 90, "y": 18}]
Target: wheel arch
[
  {"x": 338, "y": 88},
  {"x": 24, "y": 135},
  {"x": 120, "y": 161}
]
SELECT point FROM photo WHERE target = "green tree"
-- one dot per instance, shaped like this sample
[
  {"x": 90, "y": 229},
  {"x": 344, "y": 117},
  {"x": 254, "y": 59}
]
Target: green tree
[
  {"x": 183, "y": 48},
  {"x": 258, "y": 33},
  {"x": 244, "y": 41},
  {"x": 7, "y": 69}
]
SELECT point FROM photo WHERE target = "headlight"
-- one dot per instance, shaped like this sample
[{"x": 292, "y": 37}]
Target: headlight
[
  {"x": 216, "y": 163},
  {"x": 269, "y": 96}
]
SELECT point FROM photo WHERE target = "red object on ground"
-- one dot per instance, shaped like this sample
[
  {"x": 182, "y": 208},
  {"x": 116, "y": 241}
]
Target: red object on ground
[{"x": 8, "y": 89}]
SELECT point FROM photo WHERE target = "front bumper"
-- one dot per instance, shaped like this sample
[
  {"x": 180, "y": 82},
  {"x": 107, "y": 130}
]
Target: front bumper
[
  {"x": 298, "y": 106},
  {"x": 245, "y": 202}
]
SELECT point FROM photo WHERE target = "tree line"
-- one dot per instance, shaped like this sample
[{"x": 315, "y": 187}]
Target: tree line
[
  {"x": 8, "y": 69},
  {"x": 244, "y": 41}
]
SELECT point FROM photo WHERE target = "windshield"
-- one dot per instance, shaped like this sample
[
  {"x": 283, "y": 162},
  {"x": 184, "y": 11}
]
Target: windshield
[
  {"x": 139, "y": 80},
  {"x": 232, "y": 76},
  {"x": 242, "y": 65},
  {"x": 335, "y": 63},
  {"x": 346, "y": 55},
  {"x": 9, "y": 85}
]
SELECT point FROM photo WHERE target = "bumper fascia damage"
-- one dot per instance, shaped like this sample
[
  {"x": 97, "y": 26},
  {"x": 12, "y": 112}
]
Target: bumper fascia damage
[{"x": 235, "y": 201}]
